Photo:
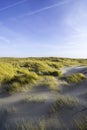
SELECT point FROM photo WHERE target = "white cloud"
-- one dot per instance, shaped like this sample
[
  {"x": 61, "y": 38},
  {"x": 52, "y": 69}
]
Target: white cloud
[{"x": 76, "y": 21}]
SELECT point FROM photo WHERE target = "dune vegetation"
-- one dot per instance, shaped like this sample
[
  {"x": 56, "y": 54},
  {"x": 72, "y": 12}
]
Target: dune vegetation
[
  {"x": 64, "y": 102},
  {"x": 43, "y": 94},
  {"x": 82, "y": 124},
  {"x": 76, "y": 78},
  {"x": 21, "y": 74}
]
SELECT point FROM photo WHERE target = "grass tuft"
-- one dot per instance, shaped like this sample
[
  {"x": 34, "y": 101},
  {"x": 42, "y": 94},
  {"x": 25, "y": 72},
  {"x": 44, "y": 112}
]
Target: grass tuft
[{"x": 76, "y": 78}]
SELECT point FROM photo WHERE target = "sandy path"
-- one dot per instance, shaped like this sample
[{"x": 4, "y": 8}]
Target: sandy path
[{"x": 70, "y": 70}]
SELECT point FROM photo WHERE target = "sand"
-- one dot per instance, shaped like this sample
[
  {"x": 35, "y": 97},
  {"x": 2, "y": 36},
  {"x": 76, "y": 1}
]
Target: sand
[{"x": 15, "y": 107}]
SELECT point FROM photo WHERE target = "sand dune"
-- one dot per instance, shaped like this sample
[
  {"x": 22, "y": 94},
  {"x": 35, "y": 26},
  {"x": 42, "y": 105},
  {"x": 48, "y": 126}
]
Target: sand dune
[{"x": 35, "y": 106}]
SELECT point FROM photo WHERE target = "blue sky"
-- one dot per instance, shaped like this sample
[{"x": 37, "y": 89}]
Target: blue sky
[{"x": 43, "y": 28}]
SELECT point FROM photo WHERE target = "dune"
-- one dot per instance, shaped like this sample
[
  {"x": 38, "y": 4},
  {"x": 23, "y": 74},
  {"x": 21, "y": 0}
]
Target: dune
[{"x": 38, "y": 108}]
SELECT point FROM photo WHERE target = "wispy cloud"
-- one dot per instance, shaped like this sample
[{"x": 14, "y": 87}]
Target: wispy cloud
[
  {"x": 12, "y": 5},
  {"x": 3, "y": 39},
  {"x": 45, "y": 8}
]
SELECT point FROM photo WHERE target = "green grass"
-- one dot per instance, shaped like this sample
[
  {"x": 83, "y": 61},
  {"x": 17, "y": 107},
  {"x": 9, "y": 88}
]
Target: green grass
[
  {"x": 76, "y": 78},
  {"x": 49, "y": 82},
  {"x": 22, "y": 82},
  {"x": 18, "y": 74},
  {"x": 7, "y": 71}
]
